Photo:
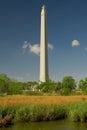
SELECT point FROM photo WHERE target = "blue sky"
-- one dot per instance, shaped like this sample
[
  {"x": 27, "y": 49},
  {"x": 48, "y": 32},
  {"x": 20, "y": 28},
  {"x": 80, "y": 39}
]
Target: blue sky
[{"x": 20, "y": 38}]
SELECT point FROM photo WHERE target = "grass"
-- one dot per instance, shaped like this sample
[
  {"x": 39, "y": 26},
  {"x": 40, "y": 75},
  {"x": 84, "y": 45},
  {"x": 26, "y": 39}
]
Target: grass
[
  {"x": 42, "y": 108},
  {"x": 23, "y": 100},
  {"x": 33, "y": 113},
  {"x": 26, "y": 113},
  {"x": 7, "y": 114},
  {"x": 40, "y": 113},
  {"x": 33, "y": 93},
  {"x": 78, "y": 112}
]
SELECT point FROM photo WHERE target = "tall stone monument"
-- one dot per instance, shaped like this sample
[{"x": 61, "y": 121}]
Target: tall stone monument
[{"x": 43, "y": 47}]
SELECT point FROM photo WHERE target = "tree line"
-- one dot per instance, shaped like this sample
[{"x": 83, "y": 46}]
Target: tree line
[{"x": 67, "y": 86}]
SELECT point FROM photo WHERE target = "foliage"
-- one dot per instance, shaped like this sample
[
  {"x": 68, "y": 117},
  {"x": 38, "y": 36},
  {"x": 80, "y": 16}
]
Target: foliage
[
  {"x": 83, "y": 85},
  {"x": 23, "y": 114},
  {"x": 15, "y": 88},
  {"x": 7, "y": 114},
  {"x": 78, "y": 112},
  {"x": 48, "y": 86},
  {"x": 36, "y": 93},
  {"x": 28, "y": 113},
  {"x": 68, "y": 84},
  {"x": 3, "y": 86},
  {"x": 29, "y": 85},
  {"x": 58, "y": 86},
  {"x": 6, "y": 110},
  {"x": 40, "y": 113},
  {"x": 65, "y": 91},
  {"x": 75, "y": 112},
  {"x": 4, "y": 77},
  {"x": 4, "y": 83},
  {"x": 66, "y": 87}
]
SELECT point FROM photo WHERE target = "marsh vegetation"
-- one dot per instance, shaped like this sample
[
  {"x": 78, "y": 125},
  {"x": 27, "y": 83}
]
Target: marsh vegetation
[{"x": 34, "y": 102}]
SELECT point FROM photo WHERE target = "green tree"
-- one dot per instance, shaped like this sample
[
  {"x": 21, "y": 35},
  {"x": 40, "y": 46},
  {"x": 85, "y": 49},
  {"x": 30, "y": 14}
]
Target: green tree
[
  {"x": 3, "y": 86},
  {"x": 48, "y": 86},
  {"x": 83, "y": 85},
  {"x": 4, "y": 77},
  {"x": 15, "y": 88},
  {"x": 68, "y": 84},
  {"x": 58, "y": 86},
  {"x": 29, "y": 85}
]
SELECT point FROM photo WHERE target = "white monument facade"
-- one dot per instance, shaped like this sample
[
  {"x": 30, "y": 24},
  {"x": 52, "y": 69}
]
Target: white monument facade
[{"x": 43, "y": 47}]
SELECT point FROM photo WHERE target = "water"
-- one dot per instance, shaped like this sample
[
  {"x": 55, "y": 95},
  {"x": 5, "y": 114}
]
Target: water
[{"x": 54, "y": 125}]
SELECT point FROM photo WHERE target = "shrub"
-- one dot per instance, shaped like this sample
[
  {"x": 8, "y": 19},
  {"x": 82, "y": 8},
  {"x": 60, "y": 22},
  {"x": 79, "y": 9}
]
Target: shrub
[
  {"x": 65, "y": 91},
  {"x": 83, "y": 84},
  {"x": 15, "y": 88},
  {"x": 48, "y": 86},
  {"x": 68, "y": 82},
  {"x": 85, "y": 91},
  {"x": 68, "y": 85},
  {"x": 3, "y": 86},
  {"x": 36, "y": 93}
]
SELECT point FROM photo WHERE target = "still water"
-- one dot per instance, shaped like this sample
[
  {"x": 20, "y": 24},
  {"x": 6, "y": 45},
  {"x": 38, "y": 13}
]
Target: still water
[{"x": 54, "y": 125}]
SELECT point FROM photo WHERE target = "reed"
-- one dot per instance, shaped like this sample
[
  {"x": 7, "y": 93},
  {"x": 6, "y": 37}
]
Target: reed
[
  {"x": 22, "y": 114},
  {"x": 78, "y": 112},
  {"x": 42, "y": 112},
  {"x": 7, "y": 114},
  {"x": 26, "y": 113}
]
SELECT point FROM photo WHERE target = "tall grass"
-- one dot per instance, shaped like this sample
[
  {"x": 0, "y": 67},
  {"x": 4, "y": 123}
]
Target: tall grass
[
  {"x": 7, "y": 114},
  {"x": 40, "y": 113},
  {"x": 28, "y": 113},
  {"x": 78, "y": 112},
  {"x": 7, "y": 110},
  {"x": 25, "y": 113},
  {"x": 22, "y": 114}
]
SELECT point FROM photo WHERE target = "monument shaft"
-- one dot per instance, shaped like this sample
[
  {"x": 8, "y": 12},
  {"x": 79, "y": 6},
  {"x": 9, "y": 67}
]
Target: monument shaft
[{"x": 43, "y": 47}]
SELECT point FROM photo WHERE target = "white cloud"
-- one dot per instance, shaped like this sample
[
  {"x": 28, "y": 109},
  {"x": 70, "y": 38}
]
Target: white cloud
[
  {"x": 75, "y": 43},
  {"x": 50, "y": 46},
  {"x": 25, "y": 45},
  {"x": 35, "y": 49}
]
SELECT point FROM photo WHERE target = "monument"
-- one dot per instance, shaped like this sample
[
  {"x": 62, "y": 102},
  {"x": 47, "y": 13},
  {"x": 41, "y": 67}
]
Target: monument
[{"x": 43, "y": 47}]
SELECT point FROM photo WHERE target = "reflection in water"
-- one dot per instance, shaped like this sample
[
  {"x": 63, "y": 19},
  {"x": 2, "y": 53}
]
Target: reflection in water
[{"x": 53, "y": 125}]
